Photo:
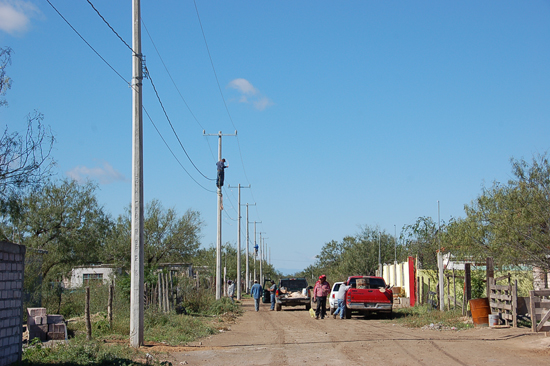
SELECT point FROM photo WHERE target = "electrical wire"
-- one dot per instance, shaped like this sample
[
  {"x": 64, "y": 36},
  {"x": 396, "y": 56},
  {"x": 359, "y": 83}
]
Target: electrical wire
[
  {"x": 174, "y": 155},
  {"x": 129, "y": 84},
  {"x": 89, "y": 45},
  {"x": 171, "y": 125},
  {"x": 221, "y": 93},
  {"x": 109, "y": 25}
]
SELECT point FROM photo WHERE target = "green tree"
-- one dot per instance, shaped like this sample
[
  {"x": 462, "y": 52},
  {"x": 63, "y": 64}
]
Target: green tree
[
  {"x": 168, "y": 237},
  {"x": 65, "y": 220},
  {"x": 510, "y": 222},
  {"x": 422, "y": 241}
]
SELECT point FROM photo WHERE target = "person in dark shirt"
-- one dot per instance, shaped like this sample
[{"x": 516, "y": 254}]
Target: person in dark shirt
[{"x": 221, "y": 168}]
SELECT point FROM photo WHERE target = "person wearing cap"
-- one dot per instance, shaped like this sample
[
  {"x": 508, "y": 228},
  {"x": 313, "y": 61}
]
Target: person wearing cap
[
  {"x": 231, "y": 290},
  {"x": 221, "y": 172},
  {"x": 256, "y": 292},
  {"x": 320, "y": 293},
  {"x": 273, "y": 291}
]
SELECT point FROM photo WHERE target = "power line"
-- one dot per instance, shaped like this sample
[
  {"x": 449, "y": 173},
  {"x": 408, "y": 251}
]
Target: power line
[
  {"x": 171, "y": 125},
  {"x": 89, "y": 45},
  {"x": 114, "y": 31},
  {"x": 220, "y": 90},
  {"x": 174, "y": 155}
]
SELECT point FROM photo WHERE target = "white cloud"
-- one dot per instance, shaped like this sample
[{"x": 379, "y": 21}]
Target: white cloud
[
  {"x": 249, "y": 94},
  {"x": 104, "y": 175},
  {"x": 15, "y": 15},
  {"x": 243, "y": 86}
]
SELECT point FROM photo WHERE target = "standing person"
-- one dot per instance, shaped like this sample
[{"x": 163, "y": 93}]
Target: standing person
[
  {"x": 231, "y": 290},
  {"x": 341, "y": 297},
  {"x": 256, "y": 292},
  {"x": 273, "y": 291},
  {"x": 320, "y": 293},
  {"x": 221, "y": 168}
]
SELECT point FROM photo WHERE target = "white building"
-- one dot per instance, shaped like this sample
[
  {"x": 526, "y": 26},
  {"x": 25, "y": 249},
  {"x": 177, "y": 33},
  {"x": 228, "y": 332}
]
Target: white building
[{"x": 83, "y": 275}]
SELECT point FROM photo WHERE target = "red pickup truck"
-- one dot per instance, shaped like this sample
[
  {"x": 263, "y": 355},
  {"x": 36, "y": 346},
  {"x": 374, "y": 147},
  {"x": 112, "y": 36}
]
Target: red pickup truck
[{"x": 368, "y": 294}]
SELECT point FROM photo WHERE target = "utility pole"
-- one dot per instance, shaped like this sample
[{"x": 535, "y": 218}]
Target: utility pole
[
  {"x": 239, "y": 242},
  {"x": 219, "y": 211},
  {"x": 255, "y": 245},
  {"x": 379, "y": 256},
  {"x": 247, "y": 253},
  {"x": 261, "y": 252},
  {"x": 137, "y": 250},
  {"x": 440, "y": 264}
]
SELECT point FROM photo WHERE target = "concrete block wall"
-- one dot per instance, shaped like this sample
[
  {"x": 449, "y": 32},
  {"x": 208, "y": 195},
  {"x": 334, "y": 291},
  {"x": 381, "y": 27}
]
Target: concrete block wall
[{"x": 12, "y": 264}]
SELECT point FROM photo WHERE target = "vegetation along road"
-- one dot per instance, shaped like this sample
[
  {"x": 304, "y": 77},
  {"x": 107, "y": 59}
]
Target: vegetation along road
[{"x": 292, "y": 337}]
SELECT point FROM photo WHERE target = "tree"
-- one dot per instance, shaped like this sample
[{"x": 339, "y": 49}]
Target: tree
[
  {"x": 5, "y": 81},
  {"x": 65, "y": 220},
  {"x": 25, "y": 160},
  {"x": 510, "y": 222},
  {"x": 422, "y": 241},
  {"x": 168, "y": 237}
]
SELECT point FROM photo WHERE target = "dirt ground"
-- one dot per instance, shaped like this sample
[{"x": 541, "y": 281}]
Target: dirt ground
[{"x": 293, "y": 337}]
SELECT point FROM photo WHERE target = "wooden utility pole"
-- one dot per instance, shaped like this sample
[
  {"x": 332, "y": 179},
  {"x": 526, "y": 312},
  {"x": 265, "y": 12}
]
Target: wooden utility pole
[{"x": 137, "y": 250}]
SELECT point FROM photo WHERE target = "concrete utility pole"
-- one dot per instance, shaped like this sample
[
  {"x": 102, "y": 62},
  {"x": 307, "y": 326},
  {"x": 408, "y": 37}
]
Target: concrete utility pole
[
  {"x": 247, "y": 253},
  {"x": 137, "y": 250},
  {"x": 239, "y": 242},
  {"x": 379, "y": 256},
  {"x": 440, "y": 265},
  {"x": 261, "y": 253},
  {"x": 255, "y": 222},
  {"x": 219, "y": 211}
]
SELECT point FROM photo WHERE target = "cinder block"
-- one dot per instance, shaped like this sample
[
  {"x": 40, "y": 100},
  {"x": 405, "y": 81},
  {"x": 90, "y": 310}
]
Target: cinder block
[
  {"x": 54, "y": 319},
  {"x": 56, "y": 336},
  {"x": 36, "y": 311}
]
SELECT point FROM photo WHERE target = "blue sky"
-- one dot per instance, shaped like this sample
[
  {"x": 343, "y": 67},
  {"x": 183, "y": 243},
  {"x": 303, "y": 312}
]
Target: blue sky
[{"x": 349, "y": 113}]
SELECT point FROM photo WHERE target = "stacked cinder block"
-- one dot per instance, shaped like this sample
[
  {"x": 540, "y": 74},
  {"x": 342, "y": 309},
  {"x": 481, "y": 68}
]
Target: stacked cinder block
[
  {"x": 12, "y": 259},
  {"x": 43, "y": 326}
]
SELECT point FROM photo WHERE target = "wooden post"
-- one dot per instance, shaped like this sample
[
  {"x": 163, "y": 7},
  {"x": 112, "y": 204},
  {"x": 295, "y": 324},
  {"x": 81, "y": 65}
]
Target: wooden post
[
  {"x": 159, "y": 287},
  {"x": 533, "y": 311},
  {"x": 166, "y": 294},
  {"x": 87, "y": 315},
  {"x": 448, "y": 293},
  {"x": 515, "y": 304},
  {"x": 429, "y": 289},
  {"x": 454, "y": 287},
  {"x": 467, "y": 284},
  {"x": 490, "y": 276},
  {"x": 423, "y": 295},
  {"x": 418, "y": 290},
  {"x": 110, "y": 306}
]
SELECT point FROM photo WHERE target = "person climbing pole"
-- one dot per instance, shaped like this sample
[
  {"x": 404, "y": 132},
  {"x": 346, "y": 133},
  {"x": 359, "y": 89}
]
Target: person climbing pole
[{"x": 221, "y": 167}]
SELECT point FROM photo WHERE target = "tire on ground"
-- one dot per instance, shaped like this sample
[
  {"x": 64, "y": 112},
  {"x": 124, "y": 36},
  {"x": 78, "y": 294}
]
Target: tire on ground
[{"x": 278, "y": 307}]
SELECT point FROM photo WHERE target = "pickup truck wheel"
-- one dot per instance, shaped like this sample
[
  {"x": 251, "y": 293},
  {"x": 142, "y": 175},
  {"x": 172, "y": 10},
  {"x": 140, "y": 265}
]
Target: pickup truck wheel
[
  {"x": 278, "y": 307},
  {"x": 308, "y": 306},
  {"x": 332, "y": 310},
  {"x": 389, "y": 315},
  {"x": 348, "y": 313}
]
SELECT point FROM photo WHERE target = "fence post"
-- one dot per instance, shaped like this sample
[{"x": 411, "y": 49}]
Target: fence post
[
  {"x": 87, "y": 315},
  {"x": 515, "y": 304},
  {"x": 110, "y": 306},
  {"x": 159, "y": 286},
  {"x": 467, "y": 284},
  {"x": 533, "y": 311}
]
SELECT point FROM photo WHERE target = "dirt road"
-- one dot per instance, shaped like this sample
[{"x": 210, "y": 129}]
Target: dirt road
[{"x": 292, "y": 337}]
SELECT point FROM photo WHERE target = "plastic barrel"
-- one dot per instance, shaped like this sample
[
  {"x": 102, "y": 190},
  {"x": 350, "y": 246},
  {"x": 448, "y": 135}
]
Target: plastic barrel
[
  {"x": 493, "y": 320},
  {"x": 480, "y": 311}
]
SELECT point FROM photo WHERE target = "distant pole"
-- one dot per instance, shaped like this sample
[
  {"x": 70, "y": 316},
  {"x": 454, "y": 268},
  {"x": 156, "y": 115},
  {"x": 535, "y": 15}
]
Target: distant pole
[
  {"x": 239, "y": 242},
  {"x": 379, "y": 256},
  {"x": 440, "y": 265},
  {"x": 247, "y": 253},
  {"x": 219, "y": 213},
  {"x": 395, "y": 257},
  {"x": 137, "y": 249}
]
